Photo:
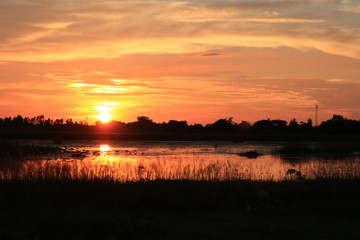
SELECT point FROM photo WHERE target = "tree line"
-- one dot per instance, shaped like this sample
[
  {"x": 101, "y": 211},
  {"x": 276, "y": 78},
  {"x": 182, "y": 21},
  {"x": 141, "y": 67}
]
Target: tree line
[{"x": 337, "y": 124}]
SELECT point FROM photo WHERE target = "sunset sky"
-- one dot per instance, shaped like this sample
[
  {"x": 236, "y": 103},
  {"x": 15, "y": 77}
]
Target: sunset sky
[{"x": 185, "y": 60}]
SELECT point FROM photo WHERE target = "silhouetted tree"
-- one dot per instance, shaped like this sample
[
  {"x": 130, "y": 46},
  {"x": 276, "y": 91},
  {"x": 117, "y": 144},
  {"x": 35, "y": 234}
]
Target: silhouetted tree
[
  {"x": 69, "y": 121},
  {"x": 278, "y": 123},
  {"x": 39, "y": 120},
  {"x": 174, "y": 125},
  {"x": 309, "y": 122},
  {"x": 293, "y": 123},
  {"x": 223, "y": 125},
  {"x": 337, "y": 118},
  {"x": 244, "y": 125},
  {"x": 143, "y": 123},
  {"x": 339, "y": 124},
  {"x": 262, "y": 124}
]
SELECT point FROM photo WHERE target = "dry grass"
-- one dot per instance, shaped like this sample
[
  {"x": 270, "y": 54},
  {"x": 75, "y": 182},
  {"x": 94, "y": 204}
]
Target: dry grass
[{"x": 175, "y": 169}]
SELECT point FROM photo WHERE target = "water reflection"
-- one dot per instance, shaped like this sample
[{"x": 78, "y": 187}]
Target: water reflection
[
  {"x": 190, "y": 161},
  {"x": 104, "y": 148}
]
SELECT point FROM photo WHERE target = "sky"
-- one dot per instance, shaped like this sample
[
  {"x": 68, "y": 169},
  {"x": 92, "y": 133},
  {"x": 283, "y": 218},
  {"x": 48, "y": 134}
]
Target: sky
[{"x": 184, "y": 60}]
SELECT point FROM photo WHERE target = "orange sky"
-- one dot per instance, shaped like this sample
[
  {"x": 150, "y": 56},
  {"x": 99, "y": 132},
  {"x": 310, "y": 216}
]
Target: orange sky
[{"x": 185, "y": 60}]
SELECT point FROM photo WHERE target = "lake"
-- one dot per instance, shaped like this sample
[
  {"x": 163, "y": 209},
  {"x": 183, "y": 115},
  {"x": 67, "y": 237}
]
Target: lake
[{"x": 143, "y": 161}]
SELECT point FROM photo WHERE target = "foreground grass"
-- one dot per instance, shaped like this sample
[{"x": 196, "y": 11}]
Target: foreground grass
[{"x": 317, "y": 209}]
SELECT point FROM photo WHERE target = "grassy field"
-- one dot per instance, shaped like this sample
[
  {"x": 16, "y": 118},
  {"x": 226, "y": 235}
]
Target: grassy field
[{"x": 311, "y": 209}]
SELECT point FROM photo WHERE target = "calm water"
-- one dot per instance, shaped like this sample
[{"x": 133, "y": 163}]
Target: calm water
[{"x": 136, "y": 161}]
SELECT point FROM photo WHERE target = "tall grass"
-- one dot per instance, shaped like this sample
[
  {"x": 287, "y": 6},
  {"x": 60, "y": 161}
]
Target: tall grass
[{"x": 161, "y": 169}]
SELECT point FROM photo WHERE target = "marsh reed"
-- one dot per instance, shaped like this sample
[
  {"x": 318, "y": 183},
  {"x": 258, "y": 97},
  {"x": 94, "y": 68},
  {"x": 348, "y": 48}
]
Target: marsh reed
[{"x": 124, "y": 169}]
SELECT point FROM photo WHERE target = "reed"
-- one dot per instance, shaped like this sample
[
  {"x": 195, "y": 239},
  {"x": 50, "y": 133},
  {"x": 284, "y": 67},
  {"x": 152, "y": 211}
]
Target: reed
[{"x": 179, "y": 169}]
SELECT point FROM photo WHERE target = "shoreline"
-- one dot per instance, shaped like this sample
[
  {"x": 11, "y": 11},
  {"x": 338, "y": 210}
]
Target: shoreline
[{"x": 58, "y": 137}]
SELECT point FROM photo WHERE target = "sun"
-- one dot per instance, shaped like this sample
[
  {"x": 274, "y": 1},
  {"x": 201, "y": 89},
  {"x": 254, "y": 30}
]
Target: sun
[
  {"x": 104, "y": 117},
  {"x": 105, "y": 111}
]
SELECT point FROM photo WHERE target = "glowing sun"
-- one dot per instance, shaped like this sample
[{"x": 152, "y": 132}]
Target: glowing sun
[
  {"x": 104, "y": 110},
  {"x": 104, "y": 117}
]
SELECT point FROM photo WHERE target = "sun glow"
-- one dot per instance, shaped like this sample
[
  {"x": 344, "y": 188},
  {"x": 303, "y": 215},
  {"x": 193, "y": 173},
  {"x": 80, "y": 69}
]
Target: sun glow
[
  {"x": 105, "y": 117},
  {"x": 104, "y": 110},
  {"x": 104, "y": 148}
]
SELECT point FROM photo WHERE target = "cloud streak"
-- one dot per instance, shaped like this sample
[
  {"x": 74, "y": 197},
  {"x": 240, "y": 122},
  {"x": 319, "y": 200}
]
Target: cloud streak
[
  {"x": 175, "y": 59},
  {"x": 64, "y": 30}
]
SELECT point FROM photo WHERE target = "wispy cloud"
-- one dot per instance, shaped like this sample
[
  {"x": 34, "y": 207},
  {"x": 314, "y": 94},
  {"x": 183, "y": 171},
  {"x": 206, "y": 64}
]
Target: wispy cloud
[
  {"x": 204, "y": 59},
  {"x": 63, "y": 30}
]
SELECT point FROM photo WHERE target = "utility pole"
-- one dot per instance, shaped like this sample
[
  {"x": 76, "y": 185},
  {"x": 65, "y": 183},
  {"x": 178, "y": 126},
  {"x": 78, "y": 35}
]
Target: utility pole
[{"x": 316, "y": 114}]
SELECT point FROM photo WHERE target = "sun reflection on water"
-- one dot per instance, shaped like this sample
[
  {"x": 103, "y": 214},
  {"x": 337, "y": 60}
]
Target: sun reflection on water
[{"x": 104, "y": 148}]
